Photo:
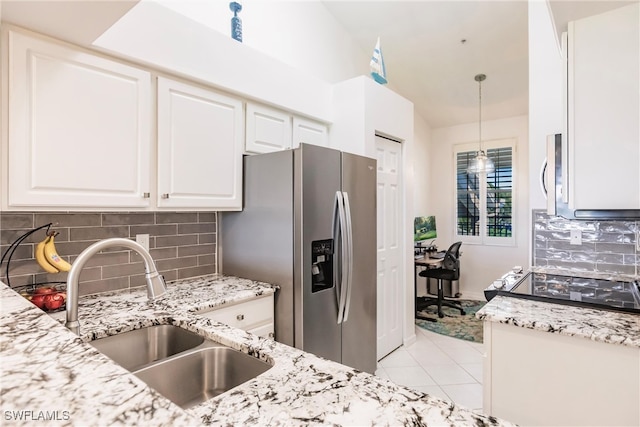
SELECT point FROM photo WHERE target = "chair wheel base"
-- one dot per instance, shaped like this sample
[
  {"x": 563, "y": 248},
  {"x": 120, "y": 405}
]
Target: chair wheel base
[{"x": 441, "y": 315}]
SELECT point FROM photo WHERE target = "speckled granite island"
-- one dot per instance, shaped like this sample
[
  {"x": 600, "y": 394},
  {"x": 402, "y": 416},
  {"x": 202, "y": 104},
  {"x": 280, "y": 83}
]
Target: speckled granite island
[
  {"x": 552, "y": 364},
  {"x": 52, "y": 377}
]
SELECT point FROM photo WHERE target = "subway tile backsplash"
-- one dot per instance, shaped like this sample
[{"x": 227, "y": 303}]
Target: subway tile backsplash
[
  {"x": 607, "y": 246},
  {"x": 183, "y": 244}
]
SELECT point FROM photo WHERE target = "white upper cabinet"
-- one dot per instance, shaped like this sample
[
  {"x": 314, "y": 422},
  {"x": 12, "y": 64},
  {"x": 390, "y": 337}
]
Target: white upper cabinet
[
  {"x": 79, "y": 128},
  {"x": 200, "y": 139},
  {"x": 604, "y": 110},
  {"x": 82, "y": 134},
  {"x": 309, "y": 132},
  {"x": 267, "y": 129}
]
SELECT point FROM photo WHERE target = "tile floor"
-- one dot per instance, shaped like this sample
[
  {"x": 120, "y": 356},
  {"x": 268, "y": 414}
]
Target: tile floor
[{"x": 439, "y": 365}]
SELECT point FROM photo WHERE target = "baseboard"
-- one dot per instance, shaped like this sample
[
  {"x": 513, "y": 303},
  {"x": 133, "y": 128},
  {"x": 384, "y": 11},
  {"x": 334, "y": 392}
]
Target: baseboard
[{"x": 409, "y": 340}]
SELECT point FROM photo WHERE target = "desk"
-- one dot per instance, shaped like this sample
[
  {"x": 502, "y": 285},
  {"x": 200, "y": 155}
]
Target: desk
[{"x": 425, "y": 261}]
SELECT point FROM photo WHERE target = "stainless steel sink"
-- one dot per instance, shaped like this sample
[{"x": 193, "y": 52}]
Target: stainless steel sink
[
  {"x": 135, "y": 349},
  {"x": 199, "y": 375},
  {"x": 183, "y": 366}
]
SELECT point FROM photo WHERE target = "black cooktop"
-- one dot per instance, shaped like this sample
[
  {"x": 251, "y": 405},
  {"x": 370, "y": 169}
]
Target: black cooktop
[{"x": 579, "y": 291}]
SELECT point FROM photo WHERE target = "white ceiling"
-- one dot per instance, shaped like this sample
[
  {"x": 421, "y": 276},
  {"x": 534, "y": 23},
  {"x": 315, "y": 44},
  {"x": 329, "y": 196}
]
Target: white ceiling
[
  {"x": 75, "y": 21},
  {"x": 425, "y": 58},
  {"x": 427, "y": 62}
]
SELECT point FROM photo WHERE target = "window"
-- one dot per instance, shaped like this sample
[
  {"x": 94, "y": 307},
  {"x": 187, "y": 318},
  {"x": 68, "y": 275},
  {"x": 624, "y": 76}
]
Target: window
[{"x": 484, "y": 202}]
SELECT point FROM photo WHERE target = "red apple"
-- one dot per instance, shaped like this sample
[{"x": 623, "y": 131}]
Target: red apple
[
  {"x": 53, "y": 301},
  {"x": 38, "y": 300},
  {"x": 44, "y": 290}
]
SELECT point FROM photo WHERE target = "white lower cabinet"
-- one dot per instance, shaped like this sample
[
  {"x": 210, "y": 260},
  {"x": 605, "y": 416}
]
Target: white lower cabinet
[
  {"x": 255, "y": 316},
  {"x": 79, "y": 128},
  {"x": 200, "y": 139},
  {"x": 539, "y": 378}
]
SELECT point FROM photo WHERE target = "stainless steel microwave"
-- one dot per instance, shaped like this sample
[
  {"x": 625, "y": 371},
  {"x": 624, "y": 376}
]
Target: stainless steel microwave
[{"x": 552, "y": 179}]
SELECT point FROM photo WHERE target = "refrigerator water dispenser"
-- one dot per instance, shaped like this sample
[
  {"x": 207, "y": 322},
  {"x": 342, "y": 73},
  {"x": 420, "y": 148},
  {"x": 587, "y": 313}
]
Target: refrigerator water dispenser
[{"x": 321, "y": 265}]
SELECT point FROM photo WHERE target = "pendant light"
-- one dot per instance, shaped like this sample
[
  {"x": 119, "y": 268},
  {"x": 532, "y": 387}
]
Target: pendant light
[{"x": 481, "y": 163}]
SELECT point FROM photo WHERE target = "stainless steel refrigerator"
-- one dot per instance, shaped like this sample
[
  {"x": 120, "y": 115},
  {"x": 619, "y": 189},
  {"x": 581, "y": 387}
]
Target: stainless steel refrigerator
[{"x": 308, "y": 224}]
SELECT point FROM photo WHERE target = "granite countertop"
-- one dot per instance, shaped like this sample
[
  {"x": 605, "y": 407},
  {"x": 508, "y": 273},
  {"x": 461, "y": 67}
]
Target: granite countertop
[
  {"x": 598, "y": 325},
  {"x": 52, "y": 376}
]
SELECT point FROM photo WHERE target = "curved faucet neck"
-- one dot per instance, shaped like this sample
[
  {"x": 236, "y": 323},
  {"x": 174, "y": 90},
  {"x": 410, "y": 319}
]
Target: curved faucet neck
[{"x": 155, "y": 282}]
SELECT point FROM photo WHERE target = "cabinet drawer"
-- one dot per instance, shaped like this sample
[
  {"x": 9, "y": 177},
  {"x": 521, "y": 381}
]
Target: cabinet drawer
[
  {"x": 265, "y": 331},
  {"x": 245, "y": 315}
]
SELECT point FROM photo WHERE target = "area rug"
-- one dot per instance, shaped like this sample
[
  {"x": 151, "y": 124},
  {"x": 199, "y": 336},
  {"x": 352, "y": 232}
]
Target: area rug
[{"x": 465, "y": 327}]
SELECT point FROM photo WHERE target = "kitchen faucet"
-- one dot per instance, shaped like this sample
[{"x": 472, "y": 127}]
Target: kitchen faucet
[{"x": 155, "y": 282}]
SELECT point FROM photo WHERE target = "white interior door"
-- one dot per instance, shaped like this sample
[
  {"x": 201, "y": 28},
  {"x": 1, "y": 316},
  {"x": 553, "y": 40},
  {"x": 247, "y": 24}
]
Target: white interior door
[{"x": 390, "y": 302}]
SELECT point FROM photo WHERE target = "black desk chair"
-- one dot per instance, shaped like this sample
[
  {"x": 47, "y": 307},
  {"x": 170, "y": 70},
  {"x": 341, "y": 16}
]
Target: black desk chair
[{"x": 450, "y": 270}]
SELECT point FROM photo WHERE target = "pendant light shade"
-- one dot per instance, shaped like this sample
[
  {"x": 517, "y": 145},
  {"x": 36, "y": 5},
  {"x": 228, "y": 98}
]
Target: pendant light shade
[{"x": 481, "y": 163}]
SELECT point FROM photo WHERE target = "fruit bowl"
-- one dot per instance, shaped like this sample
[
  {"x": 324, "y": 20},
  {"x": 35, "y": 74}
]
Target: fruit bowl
[{"x": 49, "y": 298}]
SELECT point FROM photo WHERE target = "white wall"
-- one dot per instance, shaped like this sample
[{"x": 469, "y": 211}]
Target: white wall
[
  {"x": 480, "y": 264},
  {"x": 292, "y": 55},
  {"x": 363, "y": 108},
  {"x": 421, "y": 166},
  {"x": 165, "y": 40},
  {"x": 302, "y": 34}
]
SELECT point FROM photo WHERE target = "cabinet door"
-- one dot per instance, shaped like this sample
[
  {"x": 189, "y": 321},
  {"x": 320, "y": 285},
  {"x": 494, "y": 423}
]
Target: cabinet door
[
  {"x": 568, "y": 380},
  {"x": 267, "y": 129},
  {"x": 199, "y": 148},
  {"x": 309, "y": 132},
  {"x": 603, "y": 110},
  {"x": 79, "y": 128}
]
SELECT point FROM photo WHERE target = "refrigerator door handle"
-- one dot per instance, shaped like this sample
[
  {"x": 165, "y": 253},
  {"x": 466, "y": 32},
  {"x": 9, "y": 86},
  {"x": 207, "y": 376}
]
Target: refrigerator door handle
[
  {"x": 349, "y": 254},
  {"x": 339, "y": 237},
  {"x": 335, "y": 226}
]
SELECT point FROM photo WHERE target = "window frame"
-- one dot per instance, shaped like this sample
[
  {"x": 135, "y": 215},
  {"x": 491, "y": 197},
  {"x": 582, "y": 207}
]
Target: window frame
[{"x": 483, "y": 238}]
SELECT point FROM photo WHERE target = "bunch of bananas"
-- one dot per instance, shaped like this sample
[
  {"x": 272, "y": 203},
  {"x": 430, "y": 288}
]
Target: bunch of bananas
[{"x": 48, "y": 257}]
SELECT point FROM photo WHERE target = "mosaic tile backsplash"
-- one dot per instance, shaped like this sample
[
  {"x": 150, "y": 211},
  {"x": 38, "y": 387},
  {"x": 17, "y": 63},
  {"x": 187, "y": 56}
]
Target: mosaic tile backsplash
[
  {"x": 607, "y": 246},
  {"x": 183, "y": 245}
]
